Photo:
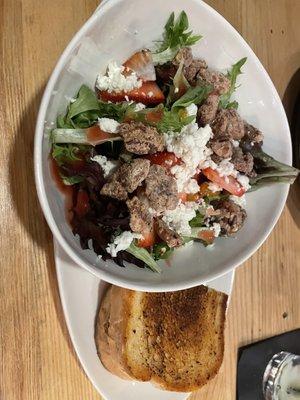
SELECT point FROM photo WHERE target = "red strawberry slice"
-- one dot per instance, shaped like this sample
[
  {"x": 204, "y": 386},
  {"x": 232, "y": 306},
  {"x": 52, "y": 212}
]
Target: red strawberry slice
[
  {"x": 148, "y": 93},
  {"x": 141, "y": 63}
]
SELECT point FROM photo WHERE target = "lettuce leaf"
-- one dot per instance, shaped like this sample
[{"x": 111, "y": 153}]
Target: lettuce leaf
[
  {"x": 176, "y": 35},
  {"x": 161, "y": 251},
  {"x": 144, "y": 255},
  {"x": 232, "y": 75},
  {"x": 195, "y": 95}
]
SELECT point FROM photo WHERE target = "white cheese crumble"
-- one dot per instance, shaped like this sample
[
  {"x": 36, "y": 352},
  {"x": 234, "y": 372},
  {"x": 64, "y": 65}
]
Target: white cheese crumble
[
  {"x": 107, "y": 166},
  {"x": 108, "y": 125},
  {"x": 235, "y": 143},
  {"x": 115, "y": 81},
  {"x": 190, "y": 146},
  {"x": 240, "y": 201},
  {"x": 217, "y": 229},
  {"x": 213, "y": 187},
  {"x": 122, "y": 242},
  {"x": 178, "y": 219},
  {"x": 244, "y": 181},
  {"x": 192, "y": 110},
  {"x": 139, "y": 107},
  {"x": 225, "y": 168}
]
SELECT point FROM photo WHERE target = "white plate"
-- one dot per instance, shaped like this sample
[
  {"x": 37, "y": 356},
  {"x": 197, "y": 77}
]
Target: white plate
[
  {"x": 111, "y": 34},
  {"x": 80, "y": 294}
]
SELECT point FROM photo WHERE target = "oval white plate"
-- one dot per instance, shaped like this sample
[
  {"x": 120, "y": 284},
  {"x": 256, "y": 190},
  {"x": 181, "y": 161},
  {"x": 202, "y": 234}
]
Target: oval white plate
[
  {"x": 80, "y": 294},
  {"x": 117, "y": 29}
]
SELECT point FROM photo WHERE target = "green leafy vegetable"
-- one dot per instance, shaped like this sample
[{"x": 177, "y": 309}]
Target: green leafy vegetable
[
  {"x": 144, "y": 255},
  {"x": 195, "y": 95},
  {"x": 179, "y": 87},
  {"x": 80, "y": 136},
  {"x": 71, "y": 180},
  {"x": 161, "y": 251},
  {"x": 270, "y": 170},
  {"x": 115, "y": 111},
  {"x": 232, "y": 76},
  {"x": 67, "y": 153},
  {"x": 173, "y": 121},
  {"x": 197, "y": 221},
  {"x": 176, "y": 36}
]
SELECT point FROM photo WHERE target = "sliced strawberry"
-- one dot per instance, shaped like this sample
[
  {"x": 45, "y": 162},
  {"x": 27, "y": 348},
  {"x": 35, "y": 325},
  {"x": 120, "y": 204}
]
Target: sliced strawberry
[
  {"x": 141, "y": 63},
  {"x": 207, "y": 235},
  {"x": 95, "y": 135},
  {"x": 148, "y": 93},
  {"x": 164, "y": 158},
  {"x": 228, "y": 183},
  {"x": 82, "y": 203},
  {"x": 148, "y": 239}
]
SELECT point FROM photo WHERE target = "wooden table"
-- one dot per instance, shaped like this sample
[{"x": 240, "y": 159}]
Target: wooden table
[{"x": 37, "y": 358}]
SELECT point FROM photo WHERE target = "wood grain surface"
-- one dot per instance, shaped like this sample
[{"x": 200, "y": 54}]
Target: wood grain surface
[{"x": 37, "y": 358}]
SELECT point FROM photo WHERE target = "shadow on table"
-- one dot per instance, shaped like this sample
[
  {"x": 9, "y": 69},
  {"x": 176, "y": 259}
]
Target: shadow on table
[
  {"x": 291, "y": 102},
  {"x": 23, "y": 191}
]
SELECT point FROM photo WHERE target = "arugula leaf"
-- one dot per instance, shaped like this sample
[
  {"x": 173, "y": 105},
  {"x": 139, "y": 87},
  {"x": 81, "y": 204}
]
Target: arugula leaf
[
  {"x": 80, "y": 136},
  {"x": 71, "y": 180},
  {"x": 161, "y": 251},
  {"x": 173, "y": 121},
  {"x": 232, "y": 76},
  {"x": 195, "y": 95},
  {"x": 197, "y": 221},
  {"x": 115, "y": 111},
  {"x": 66, "y": 153},
  {"x": 144, "y": 255},
  {"x": 176, "y": 36},
  {"x": 86, "y": 100},
  {"x": 270, "y": 170}
]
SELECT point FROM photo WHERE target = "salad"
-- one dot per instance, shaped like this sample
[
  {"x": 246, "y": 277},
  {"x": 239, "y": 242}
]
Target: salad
[{"x": 156, "y": 154}]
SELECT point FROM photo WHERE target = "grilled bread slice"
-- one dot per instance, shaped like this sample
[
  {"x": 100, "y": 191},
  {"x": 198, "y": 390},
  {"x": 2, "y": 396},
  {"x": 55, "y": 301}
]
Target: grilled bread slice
[{"x": 174, "y": 339}]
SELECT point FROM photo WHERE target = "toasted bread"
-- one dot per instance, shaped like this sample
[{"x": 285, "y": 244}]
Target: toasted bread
[{"x": 174, "y": 339}]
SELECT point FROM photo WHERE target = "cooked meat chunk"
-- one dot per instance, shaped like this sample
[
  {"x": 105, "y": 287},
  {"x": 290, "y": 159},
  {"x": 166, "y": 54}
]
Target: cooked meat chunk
[
  {"x": 191, "y": 66},
  {"x": 252, "y": 134},
  {"x": 219, "y": 81},
  {"x": 166, "y": 72},
  {"x": 216, "y": 159},
  {"x": 228, "y": 124},
  {"x": 208, "y": 111},
  {"x": 242, "y": 162},
  {"x": 166, "y": 234},
  {"x": 231, "y": 218},
  {"x": 114, "y": 189},
  {"x": 140, "y": 218},
  {"x": 222, "y": 148},
  {"x": 161, "y": 189},
  {"x": 126, "y": 179},
  {"x": 140, "y": 138},
  {"x": 132, "y": 174}
]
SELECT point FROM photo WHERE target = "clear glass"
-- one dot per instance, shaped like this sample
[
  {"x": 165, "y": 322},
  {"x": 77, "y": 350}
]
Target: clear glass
[{"x": 281, "y": 379}]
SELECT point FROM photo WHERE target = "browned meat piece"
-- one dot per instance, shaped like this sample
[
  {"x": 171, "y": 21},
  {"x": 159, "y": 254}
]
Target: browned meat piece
[
  {"x": 208, "y": 111},
  {"x": 140, "y": 138},
  {"x": 228, "y": 124},
  {"x": 140, "y": 218},
  {"x": 132, "y": 174},
  {"x": 219, "y": 81},
  {"x": 114, "y": 189},
  {"x": 252, "y": 134},
  {"x": 193, "y": 70},
  {"x": 126, "y": 179},
  {"x": 161, "y": 189},
  {"x": 166, "y": 72},
  {"x": 166, "y": 234},
  {"x": 216, "y": 159},
  {"x": 222, "y": 148},
  {"x": 242, "y": 162},
  {"x": 231, "y": 218}
]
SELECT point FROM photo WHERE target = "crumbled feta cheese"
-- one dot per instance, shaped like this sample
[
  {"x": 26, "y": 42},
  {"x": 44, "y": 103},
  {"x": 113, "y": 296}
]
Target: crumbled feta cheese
[
  {"x": 122, "y": 242},
  {"x": 225, "y": 168},
  {"x": 190, "y": 146},
  {"x": 70, "y": 99},
  {"x": 139, "y": 107},
  {"x": 179, "y": 219},
  {"x": 150, "y": 94},
  {"x": 244, "y": 181},
  {"x": 115, "y": 81},
  {"x": 176, "y": 90},
  {"x": 191, "y": 110},
  {"x": 126, "y": 98},
  {"x": 108, "y": 125},
  {"x": 241, "y": 201},
  {"x": 107, "y": 166},
  {"x": 213, "y": 187},
  {"x": 217, "y": 229},
  {"x": 235, "y": 143}
]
